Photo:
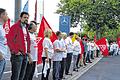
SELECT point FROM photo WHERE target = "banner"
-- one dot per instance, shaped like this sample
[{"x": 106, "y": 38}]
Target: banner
[{"x": 102, "y": 44}]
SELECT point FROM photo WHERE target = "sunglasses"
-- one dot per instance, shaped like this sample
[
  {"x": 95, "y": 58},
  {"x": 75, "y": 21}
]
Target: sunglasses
[{"x": 84, "y": 39}]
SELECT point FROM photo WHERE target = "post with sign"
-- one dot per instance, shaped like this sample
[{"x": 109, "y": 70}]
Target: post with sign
[{"x": 64, "y": 24}]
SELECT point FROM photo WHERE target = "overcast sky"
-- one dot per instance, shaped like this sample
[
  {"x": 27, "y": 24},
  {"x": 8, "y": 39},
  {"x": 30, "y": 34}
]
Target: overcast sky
[{"x": 49, "y": 13}]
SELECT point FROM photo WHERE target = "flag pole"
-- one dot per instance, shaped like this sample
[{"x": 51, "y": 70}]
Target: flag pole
[{"x": 43, "y": 7}]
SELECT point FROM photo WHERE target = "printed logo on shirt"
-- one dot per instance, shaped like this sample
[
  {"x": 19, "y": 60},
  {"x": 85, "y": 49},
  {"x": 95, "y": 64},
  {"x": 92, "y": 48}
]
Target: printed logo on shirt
[
  {"x": 38, "y": 40},
  {"x": 103, "y": 47}
]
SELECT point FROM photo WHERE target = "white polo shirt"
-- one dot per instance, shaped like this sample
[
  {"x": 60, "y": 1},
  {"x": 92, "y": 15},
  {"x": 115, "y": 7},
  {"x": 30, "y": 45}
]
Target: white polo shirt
[
  {"x": 64, "y": 46},
  {"x": 77, "y": 48},
  {"x": 3, "y": 41},
  {"x": 33, "y": 47},
  {"x": 57, "y": 55},
  {"x": 69, "y": 45},
  {"x": 47, "y": 44}
]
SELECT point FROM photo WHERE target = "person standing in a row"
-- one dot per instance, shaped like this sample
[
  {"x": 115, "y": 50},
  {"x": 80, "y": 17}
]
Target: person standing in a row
[
  {"x": 3, "y": 41},
  {"x": 69, "y": 52},
  {"x": 76, "y": 51},
  {"x": 63, "y": 62},
  {"x": 19, "y": 44},
  {"x": 47, "y": 53},
  {"x": 58, "y": 55},
  {"x": 33, "y": 51}
]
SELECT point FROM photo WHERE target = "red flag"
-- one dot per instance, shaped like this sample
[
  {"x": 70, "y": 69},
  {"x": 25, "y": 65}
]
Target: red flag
[
  {"x": 44, "y": 25},
  {"x": 82, "y": 48},
  {"x": 118, "y": 41},
  {"x": 35, "y": 17},
  {"x": 6, "y": 26},
  {"x": 102, "y": 44}
]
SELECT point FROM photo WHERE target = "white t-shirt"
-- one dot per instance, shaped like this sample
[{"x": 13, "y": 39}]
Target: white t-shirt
[
  {"x": 25, "y": 36},
  {"x": 33, "y": 47},
  {"x": 3, "y": 41},
  {"x": 92, "y": 46},
  {"x": 57, "y": 55},
  {"x": 111, "y": 47},
  {"x": 77, "y": 48},
  {"x": 64, "y": 47},
  {"x": 47, "y": 44},
  {"x": 69, "y": 45}
]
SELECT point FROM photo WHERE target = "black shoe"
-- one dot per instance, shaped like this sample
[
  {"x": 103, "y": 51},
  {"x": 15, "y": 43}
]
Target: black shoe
[
  {"x": 78, "y": 67},
  {"x": 90, "y": 62}
]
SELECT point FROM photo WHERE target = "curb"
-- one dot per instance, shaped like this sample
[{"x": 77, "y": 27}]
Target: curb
[{"x": 83, "y": 70}]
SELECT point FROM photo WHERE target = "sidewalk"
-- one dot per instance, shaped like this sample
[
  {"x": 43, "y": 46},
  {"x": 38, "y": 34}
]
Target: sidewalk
[{"x": 75, "y": 75}]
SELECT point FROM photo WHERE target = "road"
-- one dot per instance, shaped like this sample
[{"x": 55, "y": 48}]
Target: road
[{"x": 106, "y": 69}]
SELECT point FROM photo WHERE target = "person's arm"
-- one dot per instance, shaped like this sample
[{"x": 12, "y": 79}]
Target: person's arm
[
  {"x": 12, "y": 39},
  {"x": 46, "y": 46},
  {"x": 57, "y": 47},
  {"x": 1, "y": 56}
]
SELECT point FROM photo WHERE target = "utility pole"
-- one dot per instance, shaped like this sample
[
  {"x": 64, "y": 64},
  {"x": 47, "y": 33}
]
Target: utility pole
[{"x": 17, "y": 9}]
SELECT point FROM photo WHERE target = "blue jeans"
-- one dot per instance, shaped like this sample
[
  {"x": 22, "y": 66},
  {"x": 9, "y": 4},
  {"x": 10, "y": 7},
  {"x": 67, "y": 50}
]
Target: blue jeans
[
  {"x": 56, "y": 70},
  {"x": 19, "y": 64},
  {"x": 2, "y": 67}
]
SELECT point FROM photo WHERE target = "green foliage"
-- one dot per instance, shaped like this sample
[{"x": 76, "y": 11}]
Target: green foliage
[{"x": 98, "y": 14}]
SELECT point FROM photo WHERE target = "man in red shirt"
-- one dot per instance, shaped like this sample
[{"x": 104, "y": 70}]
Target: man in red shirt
[{"x": 19, "y": 44}]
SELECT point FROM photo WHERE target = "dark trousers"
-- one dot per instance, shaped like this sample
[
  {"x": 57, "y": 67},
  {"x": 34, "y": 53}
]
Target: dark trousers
[
  {"x": 62, "y": 69},
  {"x": 19, "y": 64},
  {"x": 97, "y": 53},
  {"x": 92, "y": 55},
  {"x": 30, "y": 71},
  {"x": 48, "y": 71},
  {"x": 84, "y": 58},
  {"x": 56, "y": 70},
  {"x": 88, "y": 57},
  {"x": 68, "y": 62},
  {"x": 78, "y": 59}
]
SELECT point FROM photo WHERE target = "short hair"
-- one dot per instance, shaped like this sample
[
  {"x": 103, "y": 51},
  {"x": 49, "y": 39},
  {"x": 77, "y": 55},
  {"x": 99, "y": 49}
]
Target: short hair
[
  {"x": 2, "y": 11},
  {"x": 22, "y": 13},
  {"x": 71, "y": 33},
  {"x": 58, "y": 33},
  {"x": 64, "y": 34},
  {"x": 34, "y": 22},
  {"x": 31, "y": 23}
]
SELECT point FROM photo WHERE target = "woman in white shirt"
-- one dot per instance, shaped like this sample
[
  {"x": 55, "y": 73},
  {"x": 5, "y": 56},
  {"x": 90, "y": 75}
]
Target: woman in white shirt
[
  {"x": 76, "y": 51},
  {"x": 33, "y": 52},
  {"x": 47, "y": 53}
]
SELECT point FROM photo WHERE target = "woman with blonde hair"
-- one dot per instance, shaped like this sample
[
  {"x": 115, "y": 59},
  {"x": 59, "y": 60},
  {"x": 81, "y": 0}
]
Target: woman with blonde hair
[{"x": 47, "y": 53}]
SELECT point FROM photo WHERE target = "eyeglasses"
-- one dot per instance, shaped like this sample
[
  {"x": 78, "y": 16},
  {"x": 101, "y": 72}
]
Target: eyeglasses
[{"x": 84, "y": 39}]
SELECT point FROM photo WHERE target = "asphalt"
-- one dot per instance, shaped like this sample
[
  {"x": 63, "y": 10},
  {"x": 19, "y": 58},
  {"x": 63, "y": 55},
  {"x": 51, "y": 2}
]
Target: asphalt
[{"x": 107, "y": 68}]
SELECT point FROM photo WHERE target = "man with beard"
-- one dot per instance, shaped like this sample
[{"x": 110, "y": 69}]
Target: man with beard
[{"x": 19, "y": 44}]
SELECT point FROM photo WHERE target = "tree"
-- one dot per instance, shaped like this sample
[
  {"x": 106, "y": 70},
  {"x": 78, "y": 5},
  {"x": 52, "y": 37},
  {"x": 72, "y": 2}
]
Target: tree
[{"x": 98, "y": 14}]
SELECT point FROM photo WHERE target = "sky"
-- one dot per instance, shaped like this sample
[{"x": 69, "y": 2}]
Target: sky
[{"x": 50, "y": 6}]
